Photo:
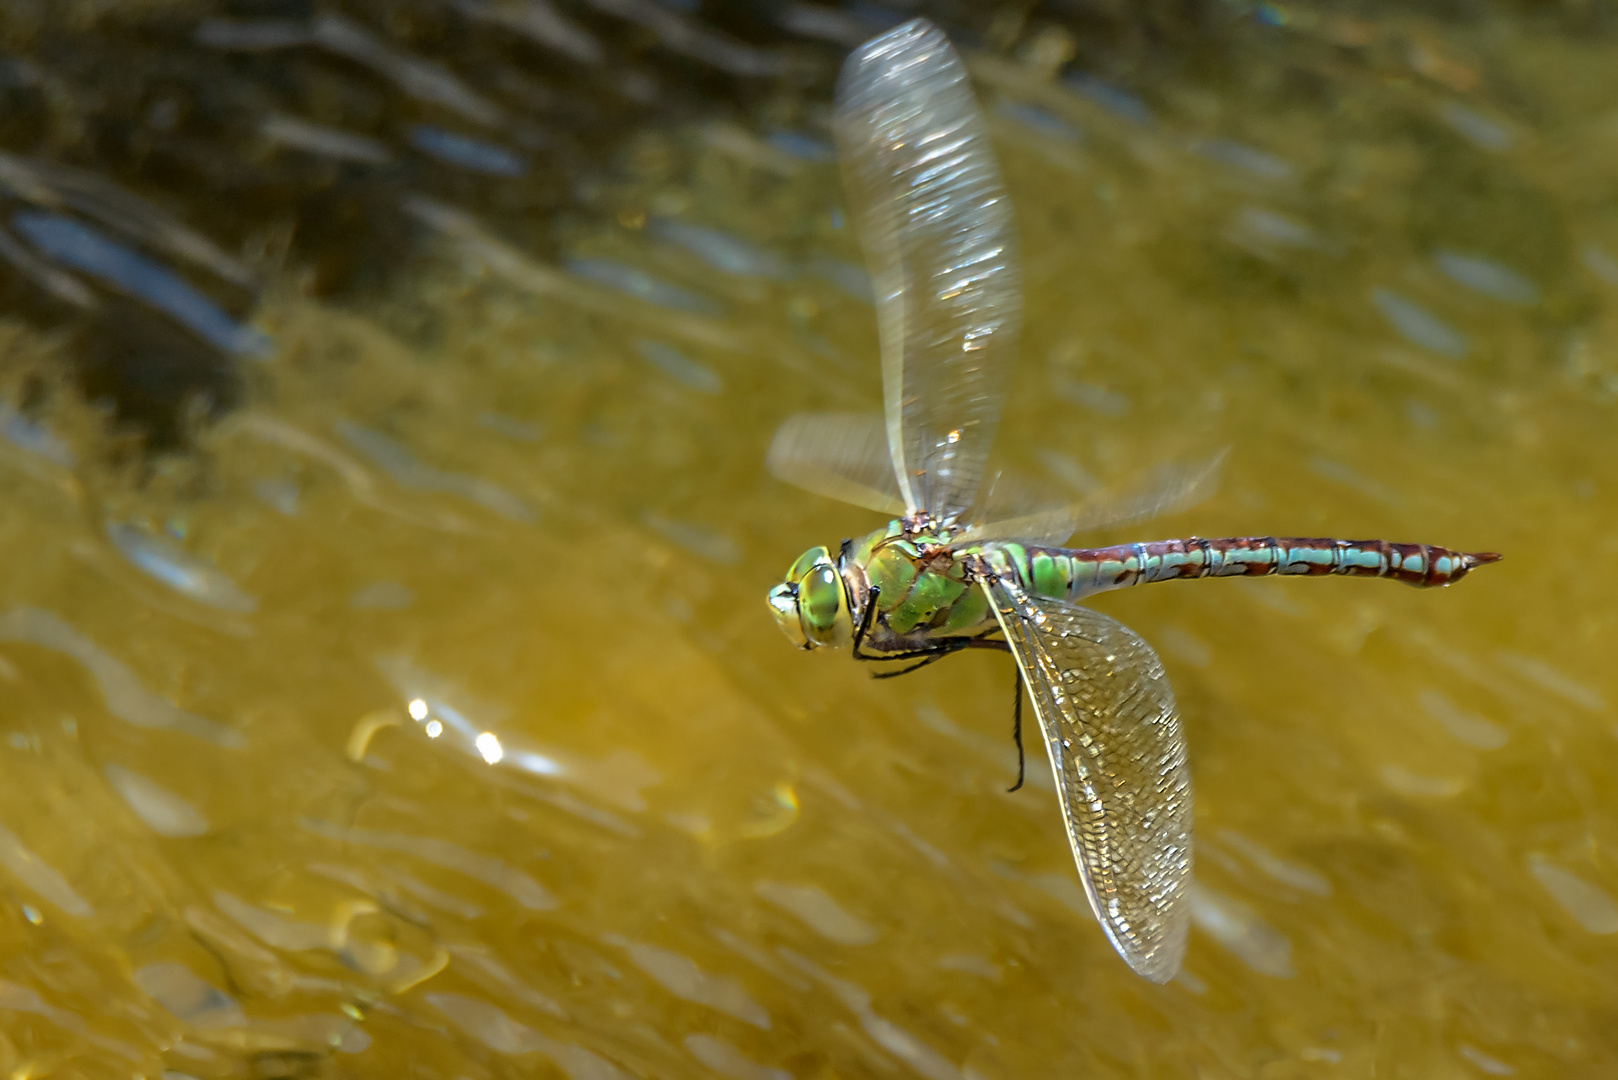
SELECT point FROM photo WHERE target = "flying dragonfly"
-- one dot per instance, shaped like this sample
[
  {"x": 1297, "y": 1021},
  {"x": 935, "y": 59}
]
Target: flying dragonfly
[{"x": 940, "y": 244}]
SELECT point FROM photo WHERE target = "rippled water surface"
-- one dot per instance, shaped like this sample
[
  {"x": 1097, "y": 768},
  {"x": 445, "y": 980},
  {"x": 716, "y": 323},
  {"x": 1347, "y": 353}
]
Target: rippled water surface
[{"x": 388, "y": 688}]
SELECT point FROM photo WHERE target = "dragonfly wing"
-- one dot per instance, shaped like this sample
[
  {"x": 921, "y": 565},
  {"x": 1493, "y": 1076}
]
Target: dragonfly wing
[
  {"x": 1165, "y": 490},
  {"x": 841, "y": 455},
  {"x": 941, "y": 247},
  {"x": 1109, "y": 722}
]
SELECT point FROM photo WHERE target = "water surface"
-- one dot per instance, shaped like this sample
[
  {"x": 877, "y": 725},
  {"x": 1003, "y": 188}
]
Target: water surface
[{"x": 389, "y": 685}]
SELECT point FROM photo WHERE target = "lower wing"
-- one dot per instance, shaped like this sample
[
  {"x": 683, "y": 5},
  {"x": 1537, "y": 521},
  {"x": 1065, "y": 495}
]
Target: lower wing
[{"x": 1110, "y": 725}]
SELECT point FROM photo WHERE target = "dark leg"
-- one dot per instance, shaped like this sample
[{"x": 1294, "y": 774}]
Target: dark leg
[
  {"x": 937, "y": 650},
  {"x": 908, "y": 654},
  {"x": 933, "y": 656},
  {"x": 865, "y": 618},
  {"x": 1016, "y": 730}
]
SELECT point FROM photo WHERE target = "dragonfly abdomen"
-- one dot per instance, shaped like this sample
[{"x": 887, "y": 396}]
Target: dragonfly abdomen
[{"x": 1077, "y": 573}]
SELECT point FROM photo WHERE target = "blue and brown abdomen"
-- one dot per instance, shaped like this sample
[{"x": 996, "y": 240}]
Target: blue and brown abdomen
[
  {"x": 926, "y": 588},
  {"x": 1073, "y": 574}
]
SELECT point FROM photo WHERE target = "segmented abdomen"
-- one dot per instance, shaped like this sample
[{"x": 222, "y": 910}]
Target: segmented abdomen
[{"x": 1062, "y": 572}]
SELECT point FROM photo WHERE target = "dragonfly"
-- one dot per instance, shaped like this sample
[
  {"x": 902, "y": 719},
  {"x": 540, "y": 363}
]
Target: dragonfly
[{"x": 940, "y": 244}]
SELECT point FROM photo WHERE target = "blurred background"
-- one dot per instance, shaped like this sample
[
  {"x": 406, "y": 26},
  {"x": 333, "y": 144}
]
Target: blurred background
[{"x": 387, "y": 684}]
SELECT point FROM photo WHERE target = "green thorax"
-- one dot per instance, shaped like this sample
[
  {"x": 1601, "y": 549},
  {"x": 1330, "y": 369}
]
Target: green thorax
[{"x": 925, "y": 585}]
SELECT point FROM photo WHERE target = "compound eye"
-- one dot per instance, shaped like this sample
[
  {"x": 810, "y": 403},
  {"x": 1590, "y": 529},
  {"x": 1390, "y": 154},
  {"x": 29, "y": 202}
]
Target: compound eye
[
  {"x": 806, "y": 562},
  {"x": 784, "y": 606},
  {"x": 820, "y": 598}
]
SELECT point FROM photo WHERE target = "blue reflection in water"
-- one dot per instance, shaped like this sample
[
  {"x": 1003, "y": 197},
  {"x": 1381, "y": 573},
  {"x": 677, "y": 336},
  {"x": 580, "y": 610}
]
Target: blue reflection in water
[
  {"x": 1249, "y": 159},
  {"x": 178, "y": 569},
  {"x": 473, "y": 154},
  {"x": 1419, "y": 326},
  {"x": 851, "y": 278},
  {"x": 719, "y": 249},
  {"x": 1475, "y": 127},
  {"x": 83, "y": 248},
  {"x": 126, "y": 697},
  {"x": 1120, "y": 103},
  {"x": 801, "y": 145},
  {"x": 1601, "y": 264},
  {"x": 36, "y": 438},
  {"x": 1276, "y": 228},
  {"x": 641, "y": 285},
  {"x": 1487, "y": 277},
  {"x": 1041, "y": 120},
  {"x": 678, "y": 366},
  {"x": 403, "y": 467}
]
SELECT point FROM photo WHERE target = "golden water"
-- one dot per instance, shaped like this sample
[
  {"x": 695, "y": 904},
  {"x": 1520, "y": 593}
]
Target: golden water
[{"x": 228, "y": 849}]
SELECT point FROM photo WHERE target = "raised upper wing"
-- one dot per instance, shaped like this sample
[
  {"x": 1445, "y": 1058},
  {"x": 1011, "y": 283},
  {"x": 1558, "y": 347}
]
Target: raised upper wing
[
  {"x": 939, "y": 241},
  {"x": 1164, "y": 490},
  {"x": 1109, "y": 722},
  {"x": 842, "y": 455}
]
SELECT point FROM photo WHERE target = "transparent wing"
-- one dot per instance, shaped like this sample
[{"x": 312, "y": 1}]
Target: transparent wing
[
  {"x": 1109, "y": 722},
  {"x": 940, "y": 245},
  {"x": 841, "y": 455},
  {"x": 1166, "y": 489}
]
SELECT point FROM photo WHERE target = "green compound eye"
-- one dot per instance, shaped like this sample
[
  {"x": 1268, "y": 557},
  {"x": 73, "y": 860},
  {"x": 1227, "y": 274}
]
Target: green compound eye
[
  {"x": 806, "y": 562},
  {"x": 819, "y": 596},
  {"x": 823, "y": 606},
  {"x": 784, "y": 606}
]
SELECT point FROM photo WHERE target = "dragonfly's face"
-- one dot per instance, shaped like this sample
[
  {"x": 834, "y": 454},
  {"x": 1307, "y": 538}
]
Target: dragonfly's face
[{"x": 811, "y": 605}]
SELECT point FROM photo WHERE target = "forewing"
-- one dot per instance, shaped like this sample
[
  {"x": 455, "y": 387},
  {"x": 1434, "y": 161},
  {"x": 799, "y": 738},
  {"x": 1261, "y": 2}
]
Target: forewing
[
  {"x": 1165, "y": 490},
  {"x": 939, "y": 241},
  {"x": 1109, "y": 722},
  {"x": 840, "y": 455}
]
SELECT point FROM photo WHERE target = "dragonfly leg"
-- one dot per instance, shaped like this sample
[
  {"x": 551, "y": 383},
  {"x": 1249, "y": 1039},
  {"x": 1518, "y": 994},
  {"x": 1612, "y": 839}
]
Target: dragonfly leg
[
  {"x": 936, "y": 651},
  {"x": 1016, "y": 730},
  {"x": 932, "y": 657},
  {"x": 864, "y": 619}
]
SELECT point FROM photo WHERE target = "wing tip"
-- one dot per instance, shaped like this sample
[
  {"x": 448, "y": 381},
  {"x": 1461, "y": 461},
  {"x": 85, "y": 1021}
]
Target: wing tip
[{"x": 1158, "y": 962}]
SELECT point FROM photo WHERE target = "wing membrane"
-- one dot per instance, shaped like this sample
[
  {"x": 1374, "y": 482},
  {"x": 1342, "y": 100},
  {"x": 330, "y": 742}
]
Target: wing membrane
[
  {"x": 1109, "y": 722},
  {"x": 840, "y": 455},
  {"x": 940, "y": 245},
  {"x": 1165, "y": 490}
]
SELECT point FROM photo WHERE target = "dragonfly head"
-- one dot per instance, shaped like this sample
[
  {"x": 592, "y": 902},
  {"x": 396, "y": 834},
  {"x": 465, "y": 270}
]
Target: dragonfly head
[{"x": 811, "y": 605}]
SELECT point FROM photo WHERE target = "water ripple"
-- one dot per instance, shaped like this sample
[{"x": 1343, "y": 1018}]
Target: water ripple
[
  {"x": 406, "y": 470},
  {"x": 1419, "y": 326},
  {"x": 822, "y": 914},
  {"x": 77, "y": 245},
  {"x": 164, "y": 812},
  {"x": 500, "y": 1033},
  {"x": 167, "y": 562},
  {"x": 1240, "y": 929},
  {"x": 681, "y": 976},
  {"x": 39, "y": 876},
  {"x": 527, "y": 892},
  {"x": 126, "y": 698}
]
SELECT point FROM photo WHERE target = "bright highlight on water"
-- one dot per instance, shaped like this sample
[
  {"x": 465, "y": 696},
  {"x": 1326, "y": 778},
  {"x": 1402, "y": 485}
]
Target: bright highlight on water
[{"x": 941, "y": 248}]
